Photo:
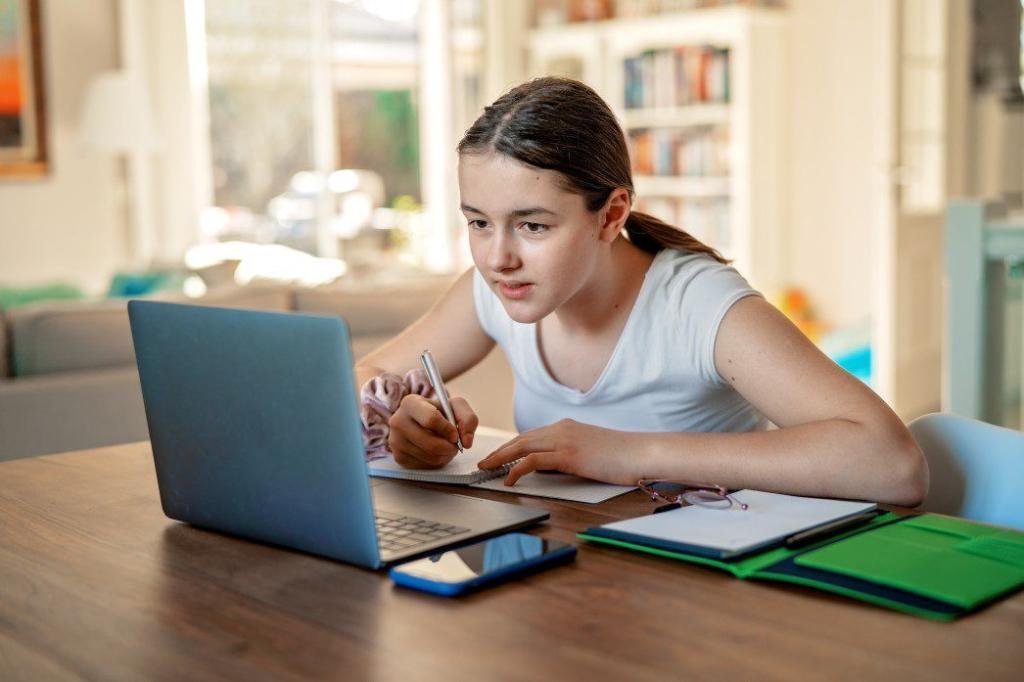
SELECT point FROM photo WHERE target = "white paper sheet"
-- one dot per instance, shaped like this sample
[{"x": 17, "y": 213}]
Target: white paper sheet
[
  {"x": 558, "y": 486},
  {"x": 462, "y": 469},
  {"x": 769, "y": 518}
]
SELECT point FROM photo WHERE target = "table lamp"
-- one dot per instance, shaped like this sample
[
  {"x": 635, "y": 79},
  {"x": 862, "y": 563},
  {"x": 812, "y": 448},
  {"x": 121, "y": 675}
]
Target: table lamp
[{"x": 117, "y": 120}]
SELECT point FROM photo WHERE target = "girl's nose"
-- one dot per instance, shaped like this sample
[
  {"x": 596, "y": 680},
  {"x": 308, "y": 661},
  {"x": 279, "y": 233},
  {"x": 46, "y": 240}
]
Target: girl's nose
[{"x": 502, "y": 254}]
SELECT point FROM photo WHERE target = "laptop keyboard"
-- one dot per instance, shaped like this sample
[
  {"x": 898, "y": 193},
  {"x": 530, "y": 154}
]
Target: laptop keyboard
[{"x": 396, "y": 532}]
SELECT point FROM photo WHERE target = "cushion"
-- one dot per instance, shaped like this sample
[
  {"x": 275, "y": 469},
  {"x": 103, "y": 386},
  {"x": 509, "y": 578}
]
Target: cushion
[
  {"x": 12, "y": 297},
  {"x": 374, "y": 312},
  {"x": 62, "y": 337},
  {"x": 253, "y": 297},
  {"x": 70, "y": 411},
  {"x": 5, "y": 346}
]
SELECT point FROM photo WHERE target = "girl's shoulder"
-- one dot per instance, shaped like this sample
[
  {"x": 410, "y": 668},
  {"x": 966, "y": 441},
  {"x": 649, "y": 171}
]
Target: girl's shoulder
[
  {"x": 695, "y": 278},
  {"x": 690, "y": 295}
]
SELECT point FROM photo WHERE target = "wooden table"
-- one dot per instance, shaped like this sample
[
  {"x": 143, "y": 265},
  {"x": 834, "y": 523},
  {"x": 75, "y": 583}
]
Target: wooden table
[{"x": 96, "y": 583}]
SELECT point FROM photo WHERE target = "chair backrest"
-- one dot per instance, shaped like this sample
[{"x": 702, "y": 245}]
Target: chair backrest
[{"x": 977, "y": 469}]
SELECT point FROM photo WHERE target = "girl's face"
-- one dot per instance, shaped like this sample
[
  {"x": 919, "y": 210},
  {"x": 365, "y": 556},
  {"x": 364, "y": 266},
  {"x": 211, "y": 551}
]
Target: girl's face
[{"x": 534, "y": 242}]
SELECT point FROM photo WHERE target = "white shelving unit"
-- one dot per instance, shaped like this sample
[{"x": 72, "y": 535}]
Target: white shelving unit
[
  {"x": 682, "y": 186},
  {"x": 691, "y": 115},
  {"x": 754, "y": 189}
]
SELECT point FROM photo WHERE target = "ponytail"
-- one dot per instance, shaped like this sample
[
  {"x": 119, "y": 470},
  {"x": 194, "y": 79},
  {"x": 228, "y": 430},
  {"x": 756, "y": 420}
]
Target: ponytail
[{"x": 653, "y": 235}]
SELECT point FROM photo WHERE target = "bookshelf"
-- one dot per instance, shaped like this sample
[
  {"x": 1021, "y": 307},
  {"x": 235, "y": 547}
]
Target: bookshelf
[{"x": 700, "y": 96}]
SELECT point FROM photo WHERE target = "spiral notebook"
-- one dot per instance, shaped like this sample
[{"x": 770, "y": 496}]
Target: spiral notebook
[
  {"x": 463, "y": 470},
  {"x": 731, "y": 533}
]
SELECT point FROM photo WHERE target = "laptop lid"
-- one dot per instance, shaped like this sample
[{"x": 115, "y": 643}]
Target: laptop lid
[
  {"x": 255, "y": 430},
  {"x": 253, "y": 422}
]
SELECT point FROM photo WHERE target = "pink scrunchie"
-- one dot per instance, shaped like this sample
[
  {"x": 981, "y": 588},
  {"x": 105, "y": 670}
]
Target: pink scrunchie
[{"x": 379, "y": 398}]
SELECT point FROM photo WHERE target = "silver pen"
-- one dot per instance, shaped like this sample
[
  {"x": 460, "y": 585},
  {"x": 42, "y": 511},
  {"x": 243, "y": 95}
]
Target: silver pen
[{"x": 434, "y": 375}]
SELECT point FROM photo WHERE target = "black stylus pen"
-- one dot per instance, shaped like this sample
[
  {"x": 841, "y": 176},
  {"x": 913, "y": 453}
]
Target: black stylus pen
[{"x": 820, "y": 532}]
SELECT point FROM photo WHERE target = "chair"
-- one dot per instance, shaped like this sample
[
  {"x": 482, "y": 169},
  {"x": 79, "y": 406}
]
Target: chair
[{"x": 977, "y": 469}]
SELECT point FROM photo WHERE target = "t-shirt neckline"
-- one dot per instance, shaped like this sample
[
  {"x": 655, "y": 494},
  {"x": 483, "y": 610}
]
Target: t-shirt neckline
[{"x": 626, "y": 328}]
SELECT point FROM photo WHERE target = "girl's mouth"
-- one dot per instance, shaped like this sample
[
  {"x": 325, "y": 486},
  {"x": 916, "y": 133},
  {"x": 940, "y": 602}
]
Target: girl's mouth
[{"x": 515, "y": 290}]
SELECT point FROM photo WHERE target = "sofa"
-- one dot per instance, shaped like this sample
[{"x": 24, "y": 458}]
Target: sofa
[{"x": 67, "y": 369}]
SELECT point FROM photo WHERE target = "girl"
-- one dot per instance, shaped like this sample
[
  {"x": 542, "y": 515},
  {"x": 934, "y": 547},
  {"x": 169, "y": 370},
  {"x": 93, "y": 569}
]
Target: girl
[{"x": 638, "y": 352}]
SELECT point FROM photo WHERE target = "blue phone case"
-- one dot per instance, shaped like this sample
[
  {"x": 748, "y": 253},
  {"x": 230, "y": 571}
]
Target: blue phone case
[{"x": 559, "y": 556}]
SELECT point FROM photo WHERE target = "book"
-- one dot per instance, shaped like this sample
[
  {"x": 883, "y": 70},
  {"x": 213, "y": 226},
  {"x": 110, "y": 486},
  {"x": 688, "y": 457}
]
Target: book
[
  {"x": 675, "y": 77},
  {"x": 463, "y": 470}
]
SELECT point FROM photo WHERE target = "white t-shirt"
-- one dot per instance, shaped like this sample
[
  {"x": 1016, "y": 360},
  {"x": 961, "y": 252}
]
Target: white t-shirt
[{"x": 661, "y": 376}]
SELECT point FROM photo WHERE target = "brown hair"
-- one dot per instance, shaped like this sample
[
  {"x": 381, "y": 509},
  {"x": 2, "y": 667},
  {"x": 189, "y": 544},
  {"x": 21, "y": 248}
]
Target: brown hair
[{"x": 562, "y": 125}]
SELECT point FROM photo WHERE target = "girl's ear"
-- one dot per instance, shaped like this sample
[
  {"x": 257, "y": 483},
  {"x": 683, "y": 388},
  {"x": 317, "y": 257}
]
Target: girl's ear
[{"x": 613, "y": 215}]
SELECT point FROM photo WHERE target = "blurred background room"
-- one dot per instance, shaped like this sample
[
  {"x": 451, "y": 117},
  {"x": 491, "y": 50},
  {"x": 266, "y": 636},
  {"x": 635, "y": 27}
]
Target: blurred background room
[{"x": 862, "y": 161}]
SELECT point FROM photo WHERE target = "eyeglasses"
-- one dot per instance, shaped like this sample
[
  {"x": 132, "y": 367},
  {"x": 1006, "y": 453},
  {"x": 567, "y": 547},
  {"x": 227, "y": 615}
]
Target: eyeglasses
[{"x": 710, "y": 496}]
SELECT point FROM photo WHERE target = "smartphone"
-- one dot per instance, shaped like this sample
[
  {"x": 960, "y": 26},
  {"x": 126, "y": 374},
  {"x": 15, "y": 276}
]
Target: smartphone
[{"x": 484, "y": 563}]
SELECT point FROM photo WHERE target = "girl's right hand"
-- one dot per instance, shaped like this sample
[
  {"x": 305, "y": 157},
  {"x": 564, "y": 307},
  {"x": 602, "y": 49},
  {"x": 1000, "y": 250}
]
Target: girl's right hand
[{"x": 421, "y": 438}]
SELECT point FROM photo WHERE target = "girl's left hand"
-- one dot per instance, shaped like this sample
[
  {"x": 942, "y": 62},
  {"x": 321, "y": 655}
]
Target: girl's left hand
[{"x": 572, "y": 448}]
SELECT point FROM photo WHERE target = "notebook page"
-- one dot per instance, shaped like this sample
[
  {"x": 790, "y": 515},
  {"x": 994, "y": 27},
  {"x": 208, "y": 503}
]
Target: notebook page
[
  {"x": 462, "y": 469},
  {"x": 771, "y": 517},
  {"x": 559, "y": 487}
]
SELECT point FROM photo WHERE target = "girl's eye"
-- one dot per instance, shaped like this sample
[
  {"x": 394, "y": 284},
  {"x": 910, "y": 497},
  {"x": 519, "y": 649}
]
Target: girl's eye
[
  {"x": 534, "y": 228},
  {"x": 478, "y": 224}
]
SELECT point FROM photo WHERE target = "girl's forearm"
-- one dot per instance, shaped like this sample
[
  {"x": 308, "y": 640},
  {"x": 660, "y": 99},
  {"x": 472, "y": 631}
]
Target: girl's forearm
[
  {"x": 365, "y": 372},
  {"x": 832, "y": 458}
]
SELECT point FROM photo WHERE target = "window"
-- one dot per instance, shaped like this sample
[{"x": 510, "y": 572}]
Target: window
[{"x": 318, "y": 129}]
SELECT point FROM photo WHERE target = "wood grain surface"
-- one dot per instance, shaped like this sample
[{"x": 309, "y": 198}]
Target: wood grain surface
[{"x": 96, "y": 583}]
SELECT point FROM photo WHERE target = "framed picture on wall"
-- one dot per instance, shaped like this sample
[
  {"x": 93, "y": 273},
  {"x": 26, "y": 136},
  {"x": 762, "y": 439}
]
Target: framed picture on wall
[{"x": 23, "y": 148}]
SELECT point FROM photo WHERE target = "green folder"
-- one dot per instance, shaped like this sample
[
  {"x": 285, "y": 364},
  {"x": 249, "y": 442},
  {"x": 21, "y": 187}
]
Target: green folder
[{"x": 932, "y": 566}]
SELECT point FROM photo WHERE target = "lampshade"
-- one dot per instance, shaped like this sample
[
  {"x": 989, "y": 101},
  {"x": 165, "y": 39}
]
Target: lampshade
[{"x": 116, "y": 116}]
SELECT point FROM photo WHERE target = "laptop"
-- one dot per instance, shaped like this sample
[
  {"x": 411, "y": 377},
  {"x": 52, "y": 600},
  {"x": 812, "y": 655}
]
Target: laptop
[{"x": 254, "y": 423}]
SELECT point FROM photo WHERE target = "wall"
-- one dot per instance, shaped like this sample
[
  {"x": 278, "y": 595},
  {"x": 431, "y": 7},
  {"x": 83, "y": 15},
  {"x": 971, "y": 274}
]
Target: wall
[
  {"x": 67, "y": 226},
  {"x": 835, "y": 80}
]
